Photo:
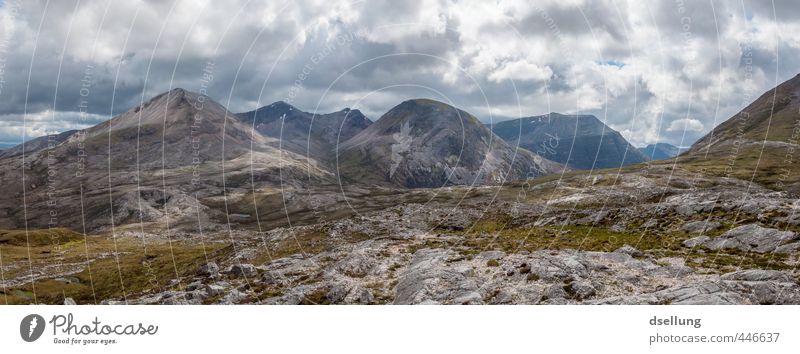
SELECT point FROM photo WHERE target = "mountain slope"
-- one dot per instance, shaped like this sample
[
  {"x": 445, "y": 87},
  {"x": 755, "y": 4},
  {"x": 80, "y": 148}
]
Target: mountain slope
[
  {"x": 305, "y": 133},
  {"x": 425, "y": 143},
  {"x": 33, "y": 145},
  {"x": 188, "y": 129},
  {"x": 156, "y": 162},
  {"x": 578, "y": 141},
  {"x": 661, "y": 151},
  {"x": 772, "y": 117},
  {"x": 759, "y": 143}
]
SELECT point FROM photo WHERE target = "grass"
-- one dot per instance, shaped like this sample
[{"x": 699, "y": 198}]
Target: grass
[
  {"x": 38, "y": 237},
  {"x": 500, "y": 232},
  {"x": 770, "y": 169},
  {"x": 308, "y": 243},
  {"x": 131, "y": 270}
]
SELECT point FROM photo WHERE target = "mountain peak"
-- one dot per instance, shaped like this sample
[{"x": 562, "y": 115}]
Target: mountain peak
[
  {"x": 425, "y": 102},
  {"x": 426, "y": 143},
  {"x": 281, "y": 105},
  {"x": 172, "y": 98}
]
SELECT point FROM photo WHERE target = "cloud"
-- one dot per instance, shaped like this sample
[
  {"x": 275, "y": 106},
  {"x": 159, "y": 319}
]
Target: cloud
[
  {"x": 639, "y": 66},
  {"x": 685, "y": 124},
  {"x": 520, "y": 70},
  {"x": 15, "y": 128}
]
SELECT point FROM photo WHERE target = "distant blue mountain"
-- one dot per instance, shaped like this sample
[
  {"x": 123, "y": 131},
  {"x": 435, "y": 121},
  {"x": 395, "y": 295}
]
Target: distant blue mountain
[
  {"x": 661, "y": 151},
  {"x": 578, "y": 141}
]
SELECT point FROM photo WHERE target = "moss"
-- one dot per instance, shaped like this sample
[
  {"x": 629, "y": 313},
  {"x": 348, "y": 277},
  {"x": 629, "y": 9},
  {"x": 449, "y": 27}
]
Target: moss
[
  {"x": 492, "y": 263},
  {"x": 134, "y": 270},
  {"x": 41, "y": 237},
  {"x": 733, "y": 260}
]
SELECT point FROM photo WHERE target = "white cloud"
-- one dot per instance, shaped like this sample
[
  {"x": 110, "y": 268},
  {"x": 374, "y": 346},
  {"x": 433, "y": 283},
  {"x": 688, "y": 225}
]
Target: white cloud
[
  {"x": 686, "y": 124},
  {"x": 520, "y": 70},
  {"x": 14, "y": 127}
]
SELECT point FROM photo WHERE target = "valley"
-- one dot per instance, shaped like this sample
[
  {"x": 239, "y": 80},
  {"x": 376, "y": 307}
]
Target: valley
[{"x": 170, "y": 203}]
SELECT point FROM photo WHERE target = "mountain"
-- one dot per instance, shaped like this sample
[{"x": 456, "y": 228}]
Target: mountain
[
  {"x": 772, "y": 117},
  {"x": 759, "y": 143},
  {"x": 37, "y": 144},
  {"x": 425, "y": 143},
  {"x": 175, "y": 128},
  {"x": 578, "y": 141},
  {"x": 661, "y": 151},
  {"x": 163, "y": 160},
  {"x": 304, "y": 133}
]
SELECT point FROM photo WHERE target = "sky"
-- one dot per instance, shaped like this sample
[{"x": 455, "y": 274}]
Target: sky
[{"x": 656, "y": 71}]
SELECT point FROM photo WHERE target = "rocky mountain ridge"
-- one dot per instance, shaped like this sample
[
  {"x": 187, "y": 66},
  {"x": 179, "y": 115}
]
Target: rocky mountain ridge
[{"x": 578, "y": 141}]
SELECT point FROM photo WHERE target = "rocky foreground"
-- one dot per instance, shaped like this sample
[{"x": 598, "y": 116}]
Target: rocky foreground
[
  {"x": 632, "y": 238},
  {"x": 650, "y": 235}
]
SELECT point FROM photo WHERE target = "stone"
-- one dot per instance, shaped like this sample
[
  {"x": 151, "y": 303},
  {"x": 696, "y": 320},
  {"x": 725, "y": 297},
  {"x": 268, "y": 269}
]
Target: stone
[
  {"x": 703, "y": 293},
  {"x": 524, "y": 269},
  {"x": 788, "y": 248},
  {"x": 492, "y": 255},
  {"x": 701, "y": 226},
  {"x": 209, "y": 269},
  {"x": 213, "y": 290},
  {"x": 470, "y": 298},
  {"x": 357, "y": 264},
  {"x": 366, "y": 296},
  {"x": 555, "y": 292},
  {"x": 629, "y": 250},
  {"x": 194, "y": 285},
  {"x": 593, "y": 219},
  {"x": 503, "y": 297},
  {"x": 194, "y": 295},
  {"x": 69, "y": 301},
  {"x": 338, "y": 292},
  {"x": 580, "y": 289},
  {"x": 651, "y": 223},
  {"x": 685, "y": 210},
  {"x": 269, "y": 279},
  {"x": 757, "y": 275},
  {"x": 618, "y": 227},
  {"x": 753, "y": 238},
  {"x": 696, "y": 241},
  {"x": 430, "y": 278},
  {"x": 233, "y": 297},
  {"x": 112, "y": 302},
  {"x": 245, "y": 270}
]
